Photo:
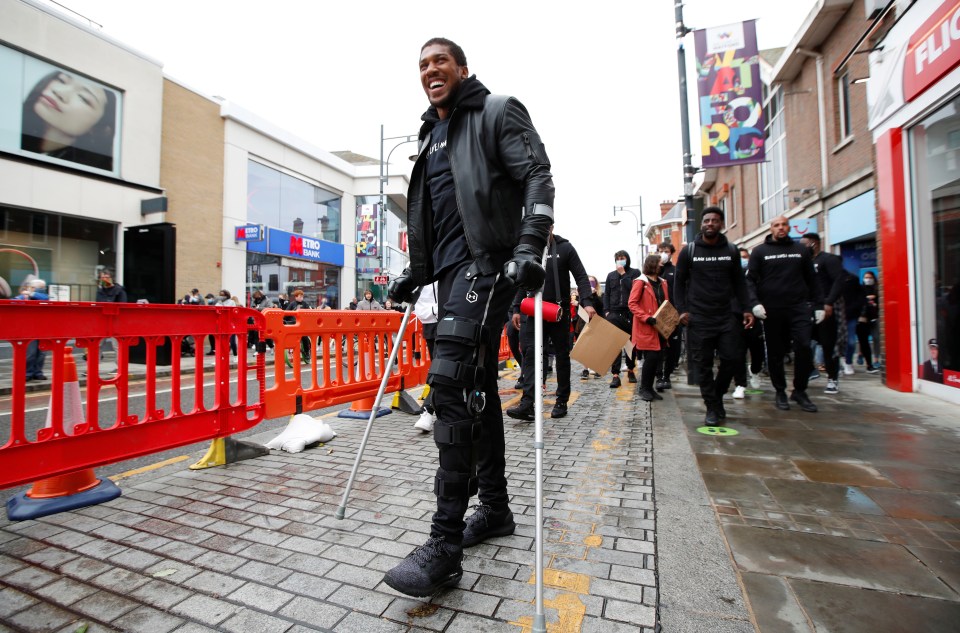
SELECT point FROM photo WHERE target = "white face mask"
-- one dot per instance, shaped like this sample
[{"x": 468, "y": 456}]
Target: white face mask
[
  {"x": 622, "y": 263},
  {"x": 664, "y": 258},
  {"x": 869, "y": 282}
]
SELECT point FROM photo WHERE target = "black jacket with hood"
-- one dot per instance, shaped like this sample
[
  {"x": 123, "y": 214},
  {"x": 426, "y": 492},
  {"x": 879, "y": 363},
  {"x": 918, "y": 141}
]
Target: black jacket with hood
[
  {"x": 502, "y": 178},
  {"x": 616, "y": 290},
  {"x": 711, "y": 280},
  {"x": 781, "y": 275}
]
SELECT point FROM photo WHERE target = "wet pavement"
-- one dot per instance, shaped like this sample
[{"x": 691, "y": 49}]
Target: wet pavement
[
  {"x": 843, "y": 520},
  {"x": 847, "y": 520}
]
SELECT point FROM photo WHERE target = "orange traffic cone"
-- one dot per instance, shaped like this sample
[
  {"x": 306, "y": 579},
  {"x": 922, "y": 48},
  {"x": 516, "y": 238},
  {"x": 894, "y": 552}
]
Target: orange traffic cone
[{"x": 73, "y": 490}]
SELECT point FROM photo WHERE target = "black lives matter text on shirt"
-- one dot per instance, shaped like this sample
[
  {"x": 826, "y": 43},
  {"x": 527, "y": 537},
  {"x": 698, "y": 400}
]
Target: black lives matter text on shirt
[{"x": 451, "y": 243}]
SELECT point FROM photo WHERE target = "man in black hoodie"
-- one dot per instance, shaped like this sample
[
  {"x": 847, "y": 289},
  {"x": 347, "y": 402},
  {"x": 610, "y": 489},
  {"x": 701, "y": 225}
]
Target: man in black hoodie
[
  {"x": 830, "y": 276},
  {"x": 708, "y": 275},
  {"x": 562, "y": 261},
  {"x": 616, "y": 294},
  {"x": 786, "y": 296},
  {"x": 670, "y": 357},
  {"x": 479, "y": 211}
]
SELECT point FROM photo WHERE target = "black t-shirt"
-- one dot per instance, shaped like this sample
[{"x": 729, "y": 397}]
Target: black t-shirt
[{"x": 451, "y": 242}]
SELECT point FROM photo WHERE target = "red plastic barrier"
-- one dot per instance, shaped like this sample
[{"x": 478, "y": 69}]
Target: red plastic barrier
[
  {"x": 355, "y": 346},
  {"x": 505, "y": 353},
  {"x": 105, "y": 437}
]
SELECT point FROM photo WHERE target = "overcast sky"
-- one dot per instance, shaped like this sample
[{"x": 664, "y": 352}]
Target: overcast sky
[{"x": 599, "y": 79}]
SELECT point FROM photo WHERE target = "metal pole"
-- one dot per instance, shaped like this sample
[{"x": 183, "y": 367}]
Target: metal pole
[
  {"x": 381, "y": 219},
  {"x": 688, "y": 169},
  {"x": 539, "y": 619},
  {"x": 341, "y": 511}
]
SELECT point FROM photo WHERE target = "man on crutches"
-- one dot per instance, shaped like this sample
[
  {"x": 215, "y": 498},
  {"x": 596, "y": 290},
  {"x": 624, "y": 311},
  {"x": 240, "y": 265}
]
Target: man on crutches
[{"x": 480, "y": 208}]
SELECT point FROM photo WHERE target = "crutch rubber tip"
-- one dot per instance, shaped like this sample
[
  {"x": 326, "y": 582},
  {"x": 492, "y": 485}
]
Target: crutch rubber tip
[{"x": 341, "y": 512}]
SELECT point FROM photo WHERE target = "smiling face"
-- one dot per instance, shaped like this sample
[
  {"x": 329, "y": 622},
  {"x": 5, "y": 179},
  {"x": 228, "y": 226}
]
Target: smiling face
[
  {"x": 71, "y": 105},
  {"x": 711, "y": 225},
  {"x": 440, "y": 76}
]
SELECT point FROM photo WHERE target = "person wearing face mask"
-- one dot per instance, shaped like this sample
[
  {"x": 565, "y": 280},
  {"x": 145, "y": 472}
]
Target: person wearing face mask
[
  {"x": 616, "y": 310},
  {"x": 227, "y": 301},
  {"x": 867, "y": 322},
  {"x": 670, "y": 357},
  {"x": 786, "y": 296},
  {"x": 753, "y": 342},
  {"x": 831, "y": 277}
]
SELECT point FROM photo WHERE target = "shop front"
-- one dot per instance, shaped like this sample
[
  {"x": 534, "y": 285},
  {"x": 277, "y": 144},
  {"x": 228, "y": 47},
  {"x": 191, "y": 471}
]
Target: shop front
[
  {"x": 282, "y": 262},
  {"x": 915, "y": 119}
]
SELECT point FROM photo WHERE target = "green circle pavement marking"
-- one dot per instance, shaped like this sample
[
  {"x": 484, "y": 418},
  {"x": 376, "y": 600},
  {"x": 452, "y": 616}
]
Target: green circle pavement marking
[
  {"x": 717, "y": 430},
  {"x": 754, "y": 392}
]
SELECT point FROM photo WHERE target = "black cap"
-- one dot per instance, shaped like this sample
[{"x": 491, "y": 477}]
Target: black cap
[{"x": 933, "y": 343}]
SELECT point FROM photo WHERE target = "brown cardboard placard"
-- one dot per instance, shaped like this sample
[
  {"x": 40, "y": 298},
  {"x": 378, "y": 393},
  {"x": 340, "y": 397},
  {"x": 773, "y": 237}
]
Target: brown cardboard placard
[
  {"x": 598, "y": 343},
  {"x": 667, "y": 319}
]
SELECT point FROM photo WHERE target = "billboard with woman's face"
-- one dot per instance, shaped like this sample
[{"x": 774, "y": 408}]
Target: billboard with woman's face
[{"x": 58, "y": 115}]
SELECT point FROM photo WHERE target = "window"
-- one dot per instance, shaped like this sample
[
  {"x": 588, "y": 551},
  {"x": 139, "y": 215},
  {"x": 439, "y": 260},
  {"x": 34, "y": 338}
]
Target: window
[
  {"x": 732, "y": 216},
  {"x": 845, "y": 126},
  {"x": 664, "y": 235},
  {"x": 773, "y": 173},
  {"x": 281, "y": 201}
]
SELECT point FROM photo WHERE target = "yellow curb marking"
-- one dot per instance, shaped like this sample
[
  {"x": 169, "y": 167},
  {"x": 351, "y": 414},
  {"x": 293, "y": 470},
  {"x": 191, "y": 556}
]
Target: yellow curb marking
[
  {"x": 593, "y": 541},
  {"x": 570, "y": 609},
  {"x": 145, "y": 469}
]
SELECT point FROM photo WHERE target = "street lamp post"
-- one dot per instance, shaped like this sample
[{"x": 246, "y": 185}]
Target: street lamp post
[
  {"x": 384, "y": 178},
  {"x": 615, "y": 220}
]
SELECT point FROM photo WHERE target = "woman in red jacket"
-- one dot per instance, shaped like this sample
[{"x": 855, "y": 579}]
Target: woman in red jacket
[{"x": 646, "y": 295}]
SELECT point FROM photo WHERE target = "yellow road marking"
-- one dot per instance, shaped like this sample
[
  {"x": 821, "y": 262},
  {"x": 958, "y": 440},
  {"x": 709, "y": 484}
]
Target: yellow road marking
[{"x": 145, "y": 469}]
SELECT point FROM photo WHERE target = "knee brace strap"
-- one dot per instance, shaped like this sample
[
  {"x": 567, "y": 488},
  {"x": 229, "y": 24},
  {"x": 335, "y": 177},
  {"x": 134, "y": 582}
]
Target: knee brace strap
[
  {"x": 462, "y": 433},
  {"x": 453, "y": 484},
  {"x": 455, "y": 373},
  {"x": 460, "y": 330}
]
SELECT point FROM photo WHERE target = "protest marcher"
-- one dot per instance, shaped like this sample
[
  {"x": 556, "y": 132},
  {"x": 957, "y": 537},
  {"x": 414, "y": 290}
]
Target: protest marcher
[
  {"x": 648, "y": 293},
  {"x": 616, "y": 296},
  {"x": 670, "y": 357}
]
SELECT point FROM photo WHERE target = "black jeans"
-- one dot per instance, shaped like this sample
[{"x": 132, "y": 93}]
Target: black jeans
[
  {"x": 485, "y": 300},
  {"x": 709, "y": 336},
  {"x": 670, "y": 356},
  {"x": 753, "y": 342},
  {"x": 651, "y": 364},
  {"x": 623, "y": 320},
  {"x": 826, "y": 334},
  {"x": 780, "y": 327},
  {"x": 559, "y": 333}
]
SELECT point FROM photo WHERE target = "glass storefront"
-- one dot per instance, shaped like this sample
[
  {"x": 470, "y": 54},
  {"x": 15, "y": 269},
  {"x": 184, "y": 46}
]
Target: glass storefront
[
  {"x": 67, "y": 252},
  {"x": 298, "y": 208},
  {"x": 935, "y": 166},
  {"x": 389, "y": 233}
]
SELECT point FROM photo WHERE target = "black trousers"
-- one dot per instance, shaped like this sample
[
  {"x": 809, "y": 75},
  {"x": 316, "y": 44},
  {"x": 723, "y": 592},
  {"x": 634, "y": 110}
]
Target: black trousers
[
  {"x": 623, "y": 320},
  {"x": 559, "y": 334},
  {"x": 710, "y": 336},
  {"x": 670, "y": 356},
  {"x": 863, "y": 336},
  {"x": 484, "y": 300},
  {"x": 651, "y": 364},
  {"x": 780, "y": 327},
  {"x": 753, "y": 343},
  {"x": 826, "y": 334}
]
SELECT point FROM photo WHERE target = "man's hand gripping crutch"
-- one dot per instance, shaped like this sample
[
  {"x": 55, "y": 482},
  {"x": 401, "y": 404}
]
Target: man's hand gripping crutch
[{"x": 401, "y": 289}]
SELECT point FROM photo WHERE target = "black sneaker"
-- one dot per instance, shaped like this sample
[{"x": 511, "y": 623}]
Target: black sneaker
[
  {"x": 523, "y": 411},
  {"x": 559, "y": 410},
  {"x": 659, "y": 386},
  {"x": 519, "y": 385},
  {"x": 666, "y": 383},
  {"x": 615, "y": 382},
  {"x": 801, "y": 398},
  {"x": 585, "y": 374},
  {"x": 427, "y": 569},
  {"x": 781, "y": 401},
  {"x": 646, "y": 394},
  {"x": 484, "y": 523},
  {"x": 711, "y": 419},
  {"x": 631, "y": 377},
  {"x": 721, "y": 411}
]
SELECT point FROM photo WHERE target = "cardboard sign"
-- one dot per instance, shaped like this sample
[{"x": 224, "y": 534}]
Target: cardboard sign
[
  {"x": 598, "y": 343},
  {"x": 667, "y": 319}
]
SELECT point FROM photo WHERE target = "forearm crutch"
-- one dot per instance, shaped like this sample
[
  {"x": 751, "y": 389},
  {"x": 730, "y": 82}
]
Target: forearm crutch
[
  {"x": 539, "y": 619},
  {"x": 341, "y": 511}
]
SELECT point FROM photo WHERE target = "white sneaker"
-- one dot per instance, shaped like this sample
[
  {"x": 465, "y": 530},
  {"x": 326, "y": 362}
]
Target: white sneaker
[
  {"x": 832, "y": 387},
  {"x": 425, "y": 423},
  {"x": 754, "y": 380},
  {"x": 847, "y": 369},
  {"x": 739, "y": 393}
]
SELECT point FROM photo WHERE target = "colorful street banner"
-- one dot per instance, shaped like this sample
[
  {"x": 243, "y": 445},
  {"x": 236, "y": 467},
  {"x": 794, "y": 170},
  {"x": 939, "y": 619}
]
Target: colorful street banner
[
  {"x": 367, "y": 230},
  {"x": 730, "y": 93}
]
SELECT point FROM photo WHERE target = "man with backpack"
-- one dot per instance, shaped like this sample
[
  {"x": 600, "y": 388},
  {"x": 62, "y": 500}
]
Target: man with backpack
[{"x": 708, "y": 275}]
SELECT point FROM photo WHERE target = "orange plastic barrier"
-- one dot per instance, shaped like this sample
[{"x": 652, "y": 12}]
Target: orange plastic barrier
[
  {"x": 355, "y": 347},
  {"x": 115, "y": 433}
]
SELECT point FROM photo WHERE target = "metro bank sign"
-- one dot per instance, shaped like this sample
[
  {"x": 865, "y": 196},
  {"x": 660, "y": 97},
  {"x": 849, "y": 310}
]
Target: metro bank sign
[{"x": 287, "y": 244}]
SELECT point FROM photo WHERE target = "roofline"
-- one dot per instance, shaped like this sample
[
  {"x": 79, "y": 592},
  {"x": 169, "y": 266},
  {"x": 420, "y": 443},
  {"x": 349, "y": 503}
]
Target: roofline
[{"x": 809, "y": 36}]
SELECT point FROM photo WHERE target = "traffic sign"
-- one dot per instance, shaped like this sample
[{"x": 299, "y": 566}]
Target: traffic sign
[{"x": 381, "y": 280}]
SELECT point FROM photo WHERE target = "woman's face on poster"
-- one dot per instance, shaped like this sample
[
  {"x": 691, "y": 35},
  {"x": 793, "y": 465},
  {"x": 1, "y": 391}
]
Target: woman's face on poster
[{"x": 71, "y": 104}]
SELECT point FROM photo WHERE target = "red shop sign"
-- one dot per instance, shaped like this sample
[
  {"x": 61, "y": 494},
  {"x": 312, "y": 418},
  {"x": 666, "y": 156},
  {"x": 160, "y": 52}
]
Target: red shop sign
[{"x": 933, "y": 51}]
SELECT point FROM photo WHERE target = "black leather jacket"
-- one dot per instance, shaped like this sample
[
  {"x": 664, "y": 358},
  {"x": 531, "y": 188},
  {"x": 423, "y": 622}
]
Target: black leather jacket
[{"x": 502, "y": 178}]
